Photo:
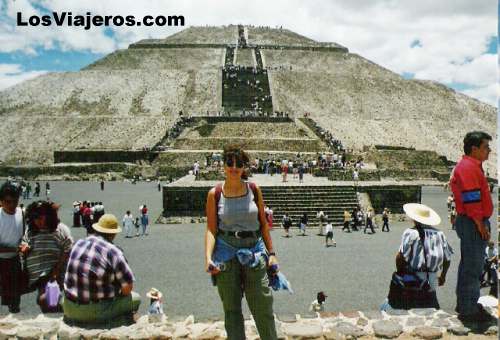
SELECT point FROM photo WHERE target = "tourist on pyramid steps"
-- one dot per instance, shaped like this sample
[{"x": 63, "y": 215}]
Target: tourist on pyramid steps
[
  {"x": 76, "y": 214},
  {"x": 449, "y": 201},
  {"x": 37, "y": 189},
  {"x": 128, "y": 224},
  {"x": 303, "y": 224},
  {"x": 46, "y": 246},
  {"x": 98, "y": 282},
  {"x": 196, "y": 169},
  {"x": 347, "y": 221},
  {"x": 155, "y": 303},
  {"x": 369, "y": 222},
  {"x": 102, "y": 184},
  {"x": 329, "y": 234},
  {"x": 385, "y": 220},
  {"x": 474, "y": 208},
  {"x": 424, "y": 251},
  {"x": 158, "y": 183},
  {"x": 243, "y": 271},
  {"x": 11, "y": 233},
  {"x": 318, "y": 305},
  {"x": 287, "y": 224},
  {"x": 47, "y": 190},
  {"x": 301, "y": 171},
  {"x": 284, "y": 171}
]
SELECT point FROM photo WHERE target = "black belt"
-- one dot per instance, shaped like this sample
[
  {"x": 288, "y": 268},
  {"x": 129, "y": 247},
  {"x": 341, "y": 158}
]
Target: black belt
[{"x": 241, "y": 234}]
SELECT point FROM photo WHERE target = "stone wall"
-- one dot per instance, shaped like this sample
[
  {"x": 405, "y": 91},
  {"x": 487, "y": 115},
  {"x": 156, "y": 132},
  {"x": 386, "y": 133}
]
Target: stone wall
[
  {"x": 103, "y": 156},
  {"x": 30, "y": 172},
  {"x": 284, "y": 144},
  {"x": 392, "y": 197},
  {"x": 182, "y": 201},
  {"x": 412, "y": 324}
]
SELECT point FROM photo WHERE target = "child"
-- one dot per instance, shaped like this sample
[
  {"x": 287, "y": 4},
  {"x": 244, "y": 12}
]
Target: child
[
  {"x": 137, "y": 224},
  {"x": 155, "y": 310},
  {"x": 318, "y": 305}
]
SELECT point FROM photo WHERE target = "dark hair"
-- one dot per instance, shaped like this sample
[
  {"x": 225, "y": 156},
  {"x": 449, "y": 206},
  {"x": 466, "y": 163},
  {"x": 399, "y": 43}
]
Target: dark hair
[
  {"x": 235, "y": 151},
  {"x": 9, "y": 189},
  {"x": 474, "y": 138},
  {"x": 39, "y": 208}
]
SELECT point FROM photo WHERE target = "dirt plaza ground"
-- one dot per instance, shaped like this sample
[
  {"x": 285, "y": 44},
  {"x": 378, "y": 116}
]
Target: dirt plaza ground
[{"x": 355, "y": 275}]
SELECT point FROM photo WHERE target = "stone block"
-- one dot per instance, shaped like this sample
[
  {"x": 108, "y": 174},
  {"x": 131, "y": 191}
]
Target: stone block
[
  {"x": 387, "y": 329},
  {"x": 428, "y": 333}
]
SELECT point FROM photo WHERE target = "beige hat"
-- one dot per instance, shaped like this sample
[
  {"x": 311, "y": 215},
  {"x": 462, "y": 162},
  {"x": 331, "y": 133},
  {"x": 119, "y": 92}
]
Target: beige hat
[
  {"x": 107, "y": 224},
  {"x": 422, "y": 213},
  {"x": 154, "y": 294}
]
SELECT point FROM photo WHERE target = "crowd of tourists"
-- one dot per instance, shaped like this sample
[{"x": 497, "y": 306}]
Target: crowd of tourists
[{"x": 92, "y": 282}]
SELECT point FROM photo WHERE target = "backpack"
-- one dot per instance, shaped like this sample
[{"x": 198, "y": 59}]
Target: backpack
[{"x": 218, "y": 193}]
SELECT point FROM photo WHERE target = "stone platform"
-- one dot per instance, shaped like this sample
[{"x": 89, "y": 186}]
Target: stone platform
[{"x": 416, "y": 323}]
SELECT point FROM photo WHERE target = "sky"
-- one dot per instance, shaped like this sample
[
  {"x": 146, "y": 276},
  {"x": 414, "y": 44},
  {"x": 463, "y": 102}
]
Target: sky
[{"x": 453, "y": 42}]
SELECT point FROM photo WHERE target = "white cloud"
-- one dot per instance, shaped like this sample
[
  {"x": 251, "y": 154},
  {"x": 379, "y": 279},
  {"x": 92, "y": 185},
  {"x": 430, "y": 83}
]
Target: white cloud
[
  {"x": 488, "y": 94},
  {"x": 12, "y": 74},
  {"x": 453, "y": 34}
]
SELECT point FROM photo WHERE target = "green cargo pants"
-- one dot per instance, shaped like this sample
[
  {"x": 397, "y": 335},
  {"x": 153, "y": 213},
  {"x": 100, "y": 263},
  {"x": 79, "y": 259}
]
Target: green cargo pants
[
  {"x": 114, "y": 312},
  {"x": 253, "y": 282}
]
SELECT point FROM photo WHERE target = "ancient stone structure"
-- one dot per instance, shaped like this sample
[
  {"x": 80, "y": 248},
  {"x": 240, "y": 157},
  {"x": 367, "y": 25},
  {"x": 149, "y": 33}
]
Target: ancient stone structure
[{"x": 130, "y": 99}]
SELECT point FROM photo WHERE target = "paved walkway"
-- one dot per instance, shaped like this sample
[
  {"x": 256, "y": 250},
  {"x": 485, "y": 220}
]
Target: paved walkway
[{"x": 309, "y": 180}]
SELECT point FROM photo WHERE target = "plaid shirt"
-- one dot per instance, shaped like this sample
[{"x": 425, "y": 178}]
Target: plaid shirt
[{"x": 96, "y": 270}]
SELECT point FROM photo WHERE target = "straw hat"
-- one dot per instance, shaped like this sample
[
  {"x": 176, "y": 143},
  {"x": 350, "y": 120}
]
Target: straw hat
[
  {"x": 107, "y": 224},
  {"x": 154, "y": 294},
  {"x": 422, "y": 213},
  {"x": 75, "y": 203}
]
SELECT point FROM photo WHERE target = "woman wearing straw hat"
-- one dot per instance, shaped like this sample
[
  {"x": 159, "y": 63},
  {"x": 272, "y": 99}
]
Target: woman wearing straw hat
[{"x": 424, "y": 251}]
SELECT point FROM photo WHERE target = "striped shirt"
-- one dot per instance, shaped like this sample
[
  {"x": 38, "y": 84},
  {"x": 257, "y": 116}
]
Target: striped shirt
[
  {"x": 437, "y": 249},
  {"x": 46, "y": 249},
  {"x": 97, "y": 269}
]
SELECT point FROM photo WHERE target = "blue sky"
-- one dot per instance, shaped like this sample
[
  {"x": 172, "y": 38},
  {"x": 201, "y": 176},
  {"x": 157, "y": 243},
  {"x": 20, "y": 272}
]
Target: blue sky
[{"x": 453, "y": 42}]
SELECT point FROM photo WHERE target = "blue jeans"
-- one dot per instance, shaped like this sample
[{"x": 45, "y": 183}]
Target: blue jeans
[{"x": 472, "y": 251}]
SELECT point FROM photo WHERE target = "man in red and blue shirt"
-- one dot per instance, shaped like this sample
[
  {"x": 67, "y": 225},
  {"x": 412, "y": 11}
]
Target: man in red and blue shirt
[
  {"x": 474, "y": 208},
  {"x": 98, "y": 282}
]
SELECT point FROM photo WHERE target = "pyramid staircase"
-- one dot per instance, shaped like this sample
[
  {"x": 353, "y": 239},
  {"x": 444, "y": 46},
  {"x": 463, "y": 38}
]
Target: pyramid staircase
[{"x": 296, "y": 200}]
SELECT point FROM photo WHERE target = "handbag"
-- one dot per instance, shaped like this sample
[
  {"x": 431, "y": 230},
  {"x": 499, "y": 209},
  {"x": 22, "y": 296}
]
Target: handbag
[{"x": 407, "y": 290}]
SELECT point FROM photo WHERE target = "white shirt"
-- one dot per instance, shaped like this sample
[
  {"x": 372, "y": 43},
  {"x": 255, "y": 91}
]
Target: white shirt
[
  {"x": 329, "y": 228},
  {"x": 128, "y": 221},
  {"x": 11, "y": 231},
  {"x": 196, "y": 167},
  {"x": 316, "y": 306},
  {"x": 491, "y": 252}
]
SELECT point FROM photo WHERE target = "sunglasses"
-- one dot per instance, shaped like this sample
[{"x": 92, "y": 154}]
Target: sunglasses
[{"x": 230, "y": 163}]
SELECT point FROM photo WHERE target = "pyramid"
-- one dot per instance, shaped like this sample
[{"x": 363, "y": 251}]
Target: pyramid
[{"x": 130, "y": 98}]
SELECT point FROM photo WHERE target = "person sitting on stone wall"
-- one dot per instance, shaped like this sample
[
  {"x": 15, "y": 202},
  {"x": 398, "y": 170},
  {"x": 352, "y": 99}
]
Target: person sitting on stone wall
[{"x": 98, "y": 282}]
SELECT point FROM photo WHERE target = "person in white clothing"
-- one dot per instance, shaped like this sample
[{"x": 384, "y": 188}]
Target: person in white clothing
[
  {"x": 318, "y": 305},
  {"x": 128, "y": 223},
  {"x": 11, "y": 233},
  {"x": 329, "y": 235}
]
